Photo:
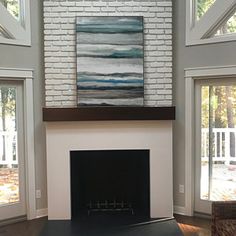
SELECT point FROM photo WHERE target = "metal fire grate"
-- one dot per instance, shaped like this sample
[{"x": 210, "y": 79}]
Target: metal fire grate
[{"x": 109, "y": 206}]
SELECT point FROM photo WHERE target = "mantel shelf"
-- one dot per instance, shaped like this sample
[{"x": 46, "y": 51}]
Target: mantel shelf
[{"x": 108, "y": 113}]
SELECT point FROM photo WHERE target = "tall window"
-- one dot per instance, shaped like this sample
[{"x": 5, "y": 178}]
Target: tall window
[
  {"x": 218, "y": 131},
  {"x": 210, "y": 21},
  {"x": 15, "y": 22}
]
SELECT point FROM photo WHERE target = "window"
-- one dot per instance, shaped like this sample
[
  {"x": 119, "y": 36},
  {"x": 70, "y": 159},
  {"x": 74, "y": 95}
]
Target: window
[
  {"x": 13, "y": 6},
  {"x": 210, "y": 21},
  {"x": 229, "y": 27},
  {"x": 15, "y": 22},
  {"x": 202, "y": 6},
  {"x": 193, "y": 77},
  {"x": 22, "y": 79}
]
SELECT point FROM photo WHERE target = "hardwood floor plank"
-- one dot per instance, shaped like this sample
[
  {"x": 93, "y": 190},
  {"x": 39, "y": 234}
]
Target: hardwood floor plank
[{"x": 194, "y": 226}]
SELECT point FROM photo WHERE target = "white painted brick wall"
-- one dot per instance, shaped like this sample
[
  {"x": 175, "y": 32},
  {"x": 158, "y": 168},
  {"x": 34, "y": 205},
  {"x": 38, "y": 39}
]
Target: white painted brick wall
[{"x": 60, "y": 40}]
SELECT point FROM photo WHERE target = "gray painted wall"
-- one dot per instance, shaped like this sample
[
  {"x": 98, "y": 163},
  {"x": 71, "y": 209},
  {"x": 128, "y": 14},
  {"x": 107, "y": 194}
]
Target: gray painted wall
[
  {"x": 32, "y": 58},
  {"x": 187, "y": 57}
]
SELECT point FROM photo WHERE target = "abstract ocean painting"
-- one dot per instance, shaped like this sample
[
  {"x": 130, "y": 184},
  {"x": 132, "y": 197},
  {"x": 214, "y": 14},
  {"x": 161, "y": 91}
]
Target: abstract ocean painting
[{"x": 110, "y": 61}]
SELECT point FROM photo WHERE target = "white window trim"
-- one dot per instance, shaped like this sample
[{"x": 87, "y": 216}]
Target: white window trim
[
  {"x": 26, "y": 76},
  {"x": 20, "y": 32},
  {"x": 198, "y": 32},
  {"x": 191, "y": 75}
]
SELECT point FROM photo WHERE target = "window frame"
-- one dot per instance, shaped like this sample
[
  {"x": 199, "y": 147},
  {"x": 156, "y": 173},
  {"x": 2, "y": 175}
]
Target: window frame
[
  {"x": 191, "y": 76},
  {"x": 26, "y": 77},
  {"x": 201, "y": 31},
  {"x": 19, "y": 32}
]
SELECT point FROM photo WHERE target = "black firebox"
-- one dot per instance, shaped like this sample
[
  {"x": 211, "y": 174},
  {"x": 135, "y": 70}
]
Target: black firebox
[{"x": 110, "y": 182}]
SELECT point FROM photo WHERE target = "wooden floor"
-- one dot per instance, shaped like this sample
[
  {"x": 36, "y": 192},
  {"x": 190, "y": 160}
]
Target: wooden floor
[
  {"x": 194, "y": 226},
  {"x": 26, "y": 228},
  {"x": 191, "y": 226}
]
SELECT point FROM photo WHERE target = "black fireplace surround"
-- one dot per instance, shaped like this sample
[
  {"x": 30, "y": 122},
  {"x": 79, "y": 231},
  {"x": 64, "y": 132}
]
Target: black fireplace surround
[{"x": 110, "y": 182}]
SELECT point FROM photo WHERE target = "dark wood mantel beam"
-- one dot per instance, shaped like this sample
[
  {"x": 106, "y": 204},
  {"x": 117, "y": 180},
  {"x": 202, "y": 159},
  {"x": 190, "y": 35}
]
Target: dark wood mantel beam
[{"x": 108, "y": 113}]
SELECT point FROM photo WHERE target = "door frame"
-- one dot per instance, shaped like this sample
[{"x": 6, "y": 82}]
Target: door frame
[
  {"x": 191, "y": 76},
  {"x": 26, "y": 77}
]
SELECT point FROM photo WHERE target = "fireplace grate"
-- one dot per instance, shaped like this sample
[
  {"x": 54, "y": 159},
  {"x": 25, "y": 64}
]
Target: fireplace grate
[{"x": 110, "y": 206}]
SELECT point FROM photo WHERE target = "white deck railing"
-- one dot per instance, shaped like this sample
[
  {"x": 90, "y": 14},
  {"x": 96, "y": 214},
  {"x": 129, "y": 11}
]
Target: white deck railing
[
  {"x": 8, "y": 148},
  {"x": 222, "y": 139},
  {"x": 222, "y": 142}
]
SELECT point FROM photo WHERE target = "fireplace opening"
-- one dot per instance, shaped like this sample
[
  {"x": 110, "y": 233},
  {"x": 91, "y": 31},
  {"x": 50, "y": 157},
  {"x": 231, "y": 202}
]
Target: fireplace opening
[{"x": 110, "y": 182}]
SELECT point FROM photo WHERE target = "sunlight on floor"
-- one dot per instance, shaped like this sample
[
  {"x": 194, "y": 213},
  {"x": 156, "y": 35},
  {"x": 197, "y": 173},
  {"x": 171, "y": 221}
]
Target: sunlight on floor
[
  {"x": 223, "y": 182},
  {"x": 9, "y": 190}
]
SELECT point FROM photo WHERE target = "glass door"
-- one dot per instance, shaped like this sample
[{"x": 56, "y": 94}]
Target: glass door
[
  {"x": 12, "y": 181},
  {"x": 215, "y": 178}
]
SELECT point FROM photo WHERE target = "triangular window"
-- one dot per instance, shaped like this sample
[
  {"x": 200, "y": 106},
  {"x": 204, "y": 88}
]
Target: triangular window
[
  {"x": 202, "y": 6},
  {"x": 210, "y": 21},
  {"x": 15, "y": 22},
  {"x": 13, "y": 7},
  {"x": 229, "y": 27}
]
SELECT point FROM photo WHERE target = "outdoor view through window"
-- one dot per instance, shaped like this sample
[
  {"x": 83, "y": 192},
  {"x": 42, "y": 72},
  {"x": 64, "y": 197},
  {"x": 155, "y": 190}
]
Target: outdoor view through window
[
  {"x": 13, "y": 6},
  {"x": 202, "y": 6},
  {"x": 9, "y": 174},
  {"x": 228, "y": 27},
  {"x": 218, "y": 136}
]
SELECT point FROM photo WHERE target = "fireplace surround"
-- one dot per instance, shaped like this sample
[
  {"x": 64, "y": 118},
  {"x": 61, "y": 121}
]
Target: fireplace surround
[
  {"x": 63, "y": 137},
  {"x": 70, "y": 128}
]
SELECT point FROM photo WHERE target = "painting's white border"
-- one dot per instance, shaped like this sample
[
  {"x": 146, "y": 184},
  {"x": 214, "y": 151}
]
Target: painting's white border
[
  {"x": 191, "y": 75},
  {"x": 200, "y": 32},
  {"x": 20, "y": 32},
  {"x": 26, "y": 76}
]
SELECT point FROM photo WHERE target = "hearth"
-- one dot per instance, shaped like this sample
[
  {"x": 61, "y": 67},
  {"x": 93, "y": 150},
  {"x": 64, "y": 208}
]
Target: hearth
[{"x": 110, "y": 182}]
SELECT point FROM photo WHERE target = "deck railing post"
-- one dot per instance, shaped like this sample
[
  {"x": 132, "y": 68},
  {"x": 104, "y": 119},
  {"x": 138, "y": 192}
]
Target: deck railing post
[{"x": 222, "y": 143}]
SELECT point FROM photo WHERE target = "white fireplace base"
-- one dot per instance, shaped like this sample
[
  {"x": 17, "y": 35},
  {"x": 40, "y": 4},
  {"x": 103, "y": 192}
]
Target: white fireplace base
[{"x": 62, "y": 137}]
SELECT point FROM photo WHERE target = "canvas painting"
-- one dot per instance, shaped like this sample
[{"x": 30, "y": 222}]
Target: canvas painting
[{"x": 110, "y": 61}]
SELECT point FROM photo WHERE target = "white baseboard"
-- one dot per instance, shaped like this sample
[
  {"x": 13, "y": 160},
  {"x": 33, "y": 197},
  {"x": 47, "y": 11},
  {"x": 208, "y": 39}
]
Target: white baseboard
[
  {"x": 41, "y": 213},
  {"x": 180, "y": 210}
]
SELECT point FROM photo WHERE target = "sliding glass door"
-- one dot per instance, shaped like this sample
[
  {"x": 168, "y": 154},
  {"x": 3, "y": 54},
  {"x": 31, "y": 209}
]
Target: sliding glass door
[
  {"x": 12, "y": 180},
  {"x": 215, "y": 178}
]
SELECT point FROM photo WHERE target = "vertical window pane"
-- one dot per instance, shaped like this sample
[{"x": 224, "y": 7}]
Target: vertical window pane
[
  {"x": 205, "y": 143},
  {"x": 9, "y": 174},
  {"x": 202, "y": 6},
  {"x": 13, "y": 6}
]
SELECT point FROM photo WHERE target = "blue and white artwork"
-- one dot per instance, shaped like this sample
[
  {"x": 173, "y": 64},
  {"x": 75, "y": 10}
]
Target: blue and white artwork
[{"x": 110, "y": 61}]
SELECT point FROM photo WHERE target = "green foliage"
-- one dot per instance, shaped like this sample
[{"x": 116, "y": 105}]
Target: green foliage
[
  {"x": 220, "y": 105},
  {"x": 12, "y": 6},
  {"x": 202, "y": 7},
  {"x": 231, "y": 25},
  {"x": 7, "y": 101}
]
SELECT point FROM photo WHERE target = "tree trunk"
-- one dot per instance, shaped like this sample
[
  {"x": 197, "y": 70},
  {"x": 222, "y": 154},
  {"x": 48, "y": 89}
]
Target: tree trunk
[{"x": 219, "y": 123}]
